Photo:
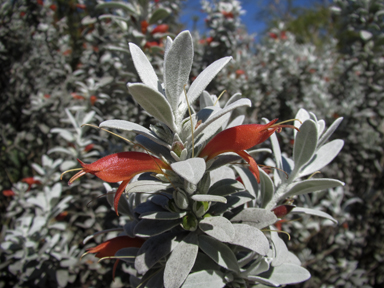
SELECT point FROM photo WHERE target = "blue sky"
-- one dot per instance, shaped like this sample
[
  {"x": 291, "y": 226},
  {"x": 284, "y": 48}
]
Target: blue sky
[{"x": 252, "y": 8}]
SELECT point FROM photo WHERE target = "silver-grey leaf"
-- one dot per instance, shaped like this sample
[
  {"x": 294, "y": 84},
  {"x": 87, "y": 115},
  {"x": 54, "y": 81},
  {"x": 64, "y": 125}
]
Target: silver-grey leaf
[
  {"x": 302, "y": 115},
  {"x": 209, "y": 198},
  {"x": 177, "y": 66},
  {"x": 158, "y": 15},
  {"x": 159, "y": 215},
  {"x": 208, "y": 278},
  {"x": 249, "y": 180},
  {"x": 267, "y": 188},
  {"x": 233, "y": 201},
  {"x": 146, "y": 228},
  {"x": 251, "y": 238},
  {"x": 205, "y": 100},
  {"x": 311, "y": 185},
  {"x": 314, "y": 212},
  {"x": 218, "y": 227},
  {"x": 225, "y": 187},
  {"x": 204, "y": 78},
  {"x": 145, "y": 186},
  {"x": 256, "y": 217},
  {"x": 133, "y": 127},
  {"x": 153, "y": 102},
  {"x": 192, "y": 169},
  {"x": 288, "y": 273},
  {"x": 324, "y": 138},
  {"x": 143, "y": 66},
  {"x": 322, "y": 157},
  {"x": 156, "y": 248},
  {"x": 181, "y": 261},
  {"x": 305, "y": 145},
  {"x": 218, "y": 252}
]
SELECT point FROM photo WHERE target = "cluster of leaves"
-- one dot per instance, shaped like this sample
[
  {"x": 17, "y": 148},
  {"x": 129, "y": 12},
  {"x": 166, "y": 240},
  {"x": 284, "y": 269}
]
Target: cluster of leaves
[{"x": 199, "y": 224}]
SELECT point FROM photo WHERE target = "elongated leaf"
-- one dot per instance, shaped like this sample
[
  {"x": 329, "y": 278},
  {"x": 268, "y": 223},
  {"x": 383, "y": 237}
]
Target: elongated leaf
[
  {"x": 233, "y": 201},
  {"x": 240, "y": 103},
  {"x": 302, "y": 115},
  {"x": 218, "y": 252},
  {"x": 156, "y": 248},
  {"x": 162, "y": 215},
  {"x": 236, "y": 122},
  {"x": 218, "y": 227},
  {"x": 287, "y": 273},
  {"x": 145, "y": 186},
  {"x": 223, "y": 172},
  {"x": 133, "y": 127},
  {"x": 261, "y": 280},
  {"x": 251, "y": 238},
  {"x": 64, "y": 133},
  {"x": 311, "y": 185},
  {"x": 267, "y": 189},
  {"x": 143, "y": 66},
  {"x": 209, "y": 198},
  {"x": 323, "y": 157},
  {"x": 225, "y": 187},
  {"x": 177, "y": 66},
  {"x": 129, "y": 251},
  {"x": 235, "y": 97},
  {"x": 280, "y": 252},
  {"x": 204, "y": 78},
  {"x": 158, "y": 15},
  {"x": 146, "y": 228},
  {"x": 192, "y": 169},
  {"x": 313, "y": 212},
  {"x": 153, "y": 102},
  {"x": 305, "y": 144},
  {"x": 154, "y": 147},
  {"x": 255, "y": 217},
  {"x": 278, "y": 158},
  {"x": 205, "y": 100},
  {"x": 324, "y": 138},
  {"x": 155, "y": 280},
  {"x": 207, "y": 278},
  {"x": 249, "y": 180},
  {"x": 181, "y": 261}
]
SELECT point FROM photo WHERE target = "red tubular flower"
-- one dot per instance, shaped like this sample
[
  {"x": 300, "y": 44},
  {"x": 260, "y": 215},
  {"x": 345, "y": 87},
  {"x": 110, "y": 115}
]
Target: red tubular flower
[
  {"x": 149, "y": 44},
  {"x": 121, "y": 166},
  {"x": 89, "y": 147},
  {"x": 30, "y": 181},
  {"x": 162, "y": 28},
  {"x": 227, "y": 14},
  {"x": 111, "y": 246},
  {"x": 282, "y": 210},
  {"x": 144, "y": 25},
  {"x": 240, "y": 138},
  {"x": 77, "y": 96},
  {"x": 8, "y": 193},
  {"x": 93, "y": 99}
]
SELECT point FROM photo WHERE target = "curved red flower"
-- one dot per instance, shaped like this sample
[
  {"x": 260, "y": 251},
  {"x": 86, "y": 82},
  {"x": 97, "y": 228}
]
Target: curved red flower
[
  {"x": 110, "y": 247},
  {"x": 162, "y": 28},
  {"x": 240, "y": 138},
  {"x": 121, "y": 166}
]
